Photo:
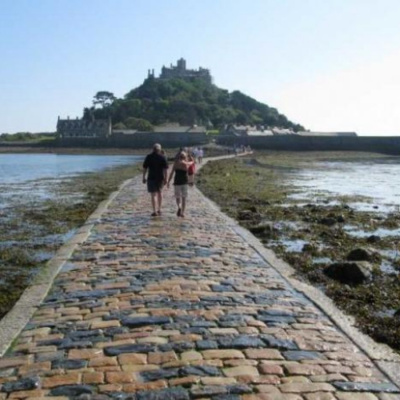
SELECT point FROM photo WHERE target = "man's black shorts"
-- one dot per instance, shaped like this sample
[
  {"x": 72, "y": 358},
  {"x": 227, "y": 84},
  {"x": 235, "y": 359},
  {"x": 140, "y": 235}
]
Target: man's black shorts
[{"x": 154, "y": 186}]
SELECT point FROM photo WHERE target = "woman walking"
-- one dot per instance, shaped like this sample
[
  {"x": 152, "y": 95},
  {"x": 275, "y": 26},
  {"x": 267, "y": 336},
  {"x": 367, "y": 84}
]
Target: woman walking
[{"x": 180, "y": 174}]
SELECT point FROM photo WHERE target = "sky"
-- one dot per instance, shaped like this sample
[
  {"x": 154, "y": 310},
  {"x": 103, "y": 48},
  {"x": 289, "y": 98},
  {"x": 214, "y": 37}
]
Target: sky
[{"x": 330, "y": 65}]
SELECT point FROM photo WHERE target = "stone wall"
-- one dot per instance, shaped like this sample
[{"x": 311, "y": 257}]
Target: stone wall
[
  {"x": 140, "y": 140},
  {"x": 388, "y": 145},
  {"x": 380, "y": 144},
  {"x": 170, "y": 139}
]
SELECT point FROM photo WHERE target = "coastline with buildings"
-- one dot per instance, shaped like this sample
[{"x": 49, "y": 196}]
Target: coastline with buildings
[
  {"x": 90, "y": 131},
  {"x": 93, "y": 130}
]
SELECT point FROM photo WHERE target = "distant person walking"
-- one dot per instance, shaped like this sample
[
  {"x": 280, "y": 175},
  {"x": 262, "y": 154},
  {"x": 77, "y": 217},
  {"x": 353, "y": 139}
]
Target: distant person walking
[
  {"x": 200, "y": 155},
  {"x": 191, "y": 169},
  {"x": 155, "y": 167},
  {"x": 180, "y": 174}
]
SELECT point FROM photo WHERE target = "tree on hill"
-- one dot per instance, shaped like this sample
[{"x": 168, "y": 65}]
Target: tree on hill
[
  {"x": 138, "y": 123},
  {"x": 103, "y": 99},
  {"x": 188, "y": 102},
  {"x": 119, "y": 125}
]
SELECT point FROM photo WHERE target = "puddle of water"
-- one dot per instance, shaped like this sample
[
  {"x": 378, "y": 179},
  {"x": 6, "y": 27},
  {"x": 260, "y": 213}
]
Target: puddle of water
[
  {"x": 390, "y": 254},
  {"x": 286, "y": 225},
  {"x": 373, "y": 208},
  {"x": 291, "y": 246},
  {"x": 381, "y": 232},
  {"x": 389, "y": 312},
  {"x": 321, "y": 260},
  {"x": 388, "y": 268}
]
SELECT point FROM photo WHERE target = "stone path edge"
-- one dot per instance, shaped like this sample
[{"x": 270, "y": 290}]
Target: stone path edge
[
  {"x": 385, "y": 359},
  {"x": 15, "y": 320}
]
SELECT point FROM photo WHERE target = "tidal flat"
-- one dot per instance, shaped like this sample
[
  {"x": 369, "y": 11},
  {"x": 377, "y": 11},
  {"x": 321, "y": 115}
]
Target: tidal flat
[
  {"x": 32, "y": 229},
  {"x": 318, "y": 209}
]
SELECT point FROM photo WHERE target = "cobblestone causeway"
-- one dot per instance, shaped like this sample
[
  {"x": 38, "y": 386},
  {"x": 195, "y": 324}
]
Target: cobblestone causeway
[{"x": 166, "y": 308}]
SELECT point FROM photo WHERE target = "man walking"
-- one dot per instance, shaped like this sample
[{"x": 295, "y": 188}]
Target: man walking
[{"x": 156, "y": 165}]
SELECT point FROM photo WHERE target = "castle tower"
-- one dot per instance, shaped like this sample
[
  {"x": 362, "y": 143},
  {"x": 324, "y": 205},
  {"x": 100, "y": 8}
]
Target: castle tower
[{"x": 181, "y": 64}]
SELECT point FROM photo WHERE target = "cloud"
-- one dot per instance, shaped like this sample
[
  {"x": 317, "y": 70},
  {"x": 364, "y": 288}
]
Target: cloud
[{"x": 365, "y": 99}]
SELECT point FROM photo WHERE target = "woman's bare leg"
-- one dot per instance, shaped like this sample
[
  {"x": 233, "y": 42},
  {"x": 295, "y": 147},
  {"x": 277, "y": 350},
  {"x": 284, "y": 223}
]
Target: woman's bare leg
[
  {"x": 178, "y": 203},
  {"x": 183, "y": 206}
]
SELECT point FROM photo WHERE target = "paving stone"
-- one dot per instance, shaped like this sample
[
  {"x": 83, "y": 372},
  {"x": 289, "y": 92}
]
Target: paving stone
[
  {"x": 211, "y": 381},
  {"x": 164, "y": 394},
  {"x": 162, "y": 357},
  {"x": 222, "y": 354},
  {"x": 263, "y": 354},
  {"x": 299, "y": 387},
  {"x": 320, "y": 396},
  {"x": 69, "y": 364},
  {"x": 386, "y": 396},
  {"x": 281, "y": 344},
  {"x": 238, "y": 371},
  {"x": 160, "y": 374},
  {"x": 143, "y": 321},
  {"x": 191, "y": 356},
  {"x": 302, "y": 355},
  {"x": 356, "y": 396},
  {"x": 207, "y": 390},
  {"x": 93, "y": 378},
  {"x": 128, "y": 348},
  {"x": 33, "y": 368},
  {"x": 135, "y": 358},
  {"x": 21, "y": 385},
  {"x": 119, "y": 377},
  {"x": 52, "y": 356},
  {"x": 72, "y": 390},
  {"x": 366, "y": 387},
  {"x": 304, "y": 369},
  {"x": 206, "y": 344},
  {"x": 200, "y": 370}
]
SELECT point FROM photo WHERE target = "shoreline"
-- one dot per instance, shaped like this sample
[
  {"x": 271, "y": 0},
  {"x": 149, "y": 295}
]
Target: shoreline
[
  {"x": 33, "y": 232},
  {"x": 252, "y": 192},
  {"x": 70, "y": 150},
  {"x": 21, "y": 312}
]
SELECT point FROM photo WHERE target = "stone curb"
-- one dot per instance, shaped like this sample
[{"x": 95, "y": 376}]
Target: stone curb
[
  {"x": 385, "y": 359},
  {"x": 16, "y": 319}
]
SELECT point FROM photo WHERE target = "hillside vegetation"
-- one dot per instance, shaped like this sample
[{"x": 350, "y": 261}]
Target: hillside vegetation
[{"x": 187, "y": 102}]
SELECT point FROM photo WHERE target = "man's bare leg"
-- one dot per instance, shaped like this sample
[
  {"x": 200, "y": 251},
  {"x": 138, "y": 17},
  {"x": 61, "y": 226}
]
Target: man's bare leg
[
  {"x": 160, "y": 199},
  {"x": 153, "y": 201}
]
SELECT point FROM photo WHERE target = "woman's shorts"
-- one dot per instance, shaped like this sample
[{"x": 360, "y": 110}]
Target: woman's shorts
[{"x": 181, "y": 190}]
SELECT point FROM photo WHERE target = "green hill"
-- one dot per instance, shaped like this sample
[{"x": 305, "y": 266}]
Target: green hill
[{"x": 188, "y": 102}]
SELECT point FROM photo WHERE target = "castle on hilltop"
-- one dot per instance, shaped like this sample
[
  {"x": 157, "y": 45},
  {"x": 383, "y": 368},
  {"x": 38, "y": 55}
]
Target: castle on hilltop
[{"x": 180, "y": 71}]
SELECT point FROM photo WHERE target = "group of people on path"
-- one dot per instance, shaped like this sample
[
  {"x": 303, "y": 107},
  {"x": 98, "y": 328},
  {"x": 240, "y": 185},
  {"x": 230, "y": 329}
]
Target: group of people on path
[{"x": 155, "y": 174}]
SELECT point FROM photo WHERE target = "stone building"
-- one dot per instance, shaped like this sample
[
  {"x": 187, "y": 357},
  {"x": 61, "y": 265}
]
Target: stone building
[
  {"x": 245, "y": 130},
  {"x": 180, "y": 71},
  {"x": 324, "y": 134},
  {"x": 80, "y": 128}
]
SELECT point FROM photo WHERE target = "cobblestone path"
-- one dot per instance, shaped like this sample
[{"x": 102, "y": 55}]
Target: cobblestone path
[{"x": 165, "y": 308}]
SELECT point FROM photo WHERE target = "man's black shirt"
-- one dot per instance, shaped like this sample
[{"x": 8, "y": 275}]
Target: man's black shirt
[{"x": 156, "y": 163}]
